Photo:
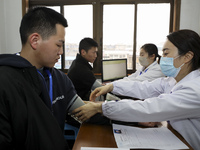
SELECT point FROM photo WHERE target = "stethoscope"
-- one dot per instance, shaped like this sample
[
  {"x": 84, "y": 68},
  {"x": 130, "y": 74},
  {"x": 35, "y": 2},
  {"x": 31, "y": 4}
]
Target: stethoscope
[{"x": 50, "y": 83}]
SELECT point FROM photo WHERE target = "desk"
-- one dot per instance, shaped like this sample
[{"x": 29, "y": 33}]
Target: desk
[{"x": 91, "y": 135}]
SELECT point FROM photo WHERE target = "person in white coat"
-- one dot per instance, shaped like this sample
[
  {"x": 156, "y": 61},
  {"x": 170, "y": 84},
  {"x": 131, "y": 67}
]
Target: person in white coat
[
  {"x": 150, "y": 69},
  {"x": 175, "y": 98},
  {"x": 149, "y": 60}
]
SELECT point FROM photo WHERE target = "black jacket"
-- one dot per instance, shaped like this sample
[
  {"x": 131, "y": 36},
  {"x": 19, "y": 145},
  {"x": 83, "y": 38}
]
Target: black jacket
[
  {"x": 27, "y": 121},
  {"x": 80, "y": 73}
]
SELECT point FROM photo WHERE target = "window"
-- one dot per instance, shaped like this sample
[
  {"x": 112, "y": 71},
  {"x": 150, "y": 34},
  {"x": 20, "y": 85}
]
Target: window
[
  {"x": 118, "y": 32},
  {"x": 152, "y": 26},
  {"x": 119, "y": 27},
  {"x": 79, "y": 19}
]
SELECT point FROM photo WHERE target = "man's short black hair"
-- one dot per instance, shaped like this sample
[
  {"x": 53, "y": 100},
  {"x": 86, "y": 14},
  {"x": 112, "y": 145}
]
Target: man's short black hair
[
  {"x": 86, "y": 44},
  {"x": 41, "y": 20}
]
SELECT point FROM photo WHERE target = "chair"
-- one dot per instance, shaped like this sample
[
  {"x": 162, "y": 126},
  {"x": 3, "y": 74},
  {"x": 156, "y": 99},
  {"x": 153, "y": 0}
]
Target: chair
[{"x": 69, "y": 127}]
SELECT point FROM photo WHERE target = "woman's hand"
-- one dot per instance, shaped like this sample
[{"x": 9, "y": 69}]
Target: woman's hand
[
  {"x": 101, "y": 91},
  {"x": 85, "y": 112}
]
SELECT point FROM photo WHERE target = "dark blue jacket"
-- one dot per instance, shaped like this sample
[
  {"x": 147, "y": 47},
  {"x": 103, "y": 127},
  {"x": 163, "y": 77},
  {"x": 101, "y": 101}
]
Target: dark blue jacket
[{"x": 27, "y": 119}]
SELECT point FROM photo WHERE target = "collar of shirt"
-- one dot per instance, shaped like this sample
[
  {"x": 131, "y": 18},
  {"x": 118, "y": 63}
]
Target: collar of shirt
[
  {"x": 145, "y": 70},
  {"x": 80, "y": 59}
]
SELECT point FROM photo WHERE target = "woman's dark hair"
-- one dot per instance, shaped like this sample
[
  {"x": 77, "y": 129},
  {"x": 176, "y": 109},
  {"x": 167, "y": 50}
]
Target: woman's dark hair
[
  {"x": 41, "y": 20},
  {"x": 151, "y": 49},
  {"x": 187, "y": 40}
]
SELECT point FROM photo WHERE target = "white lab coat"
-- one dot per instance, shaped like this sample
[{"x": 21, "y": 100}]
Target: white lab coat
[
  {"x": 164, "y": 100},
  {"x": 152, "y": 72}
]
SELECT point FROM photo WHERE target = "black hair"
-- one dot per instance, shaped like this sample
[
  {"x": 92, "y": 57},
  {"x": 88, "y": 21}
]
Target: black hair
[
  {"x": 86, "y": 44},
  {"x": 151, "y": 49},
  {"x": 187, "y": 40},
  {"x": 41, "y": 20}
]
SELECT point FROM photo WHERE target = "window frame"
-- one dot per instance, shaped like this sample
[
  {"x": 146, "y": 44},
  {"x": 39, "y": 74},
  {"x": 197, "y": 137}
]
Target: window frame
[{"x": 98, "y": 21}]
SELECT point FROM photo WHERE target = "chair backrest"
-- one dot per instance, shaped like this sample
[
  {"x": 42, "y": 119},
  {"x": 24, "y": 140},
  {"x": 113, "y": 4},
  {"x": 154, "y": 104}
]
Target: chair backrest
[{"x": 69, "y": 127}]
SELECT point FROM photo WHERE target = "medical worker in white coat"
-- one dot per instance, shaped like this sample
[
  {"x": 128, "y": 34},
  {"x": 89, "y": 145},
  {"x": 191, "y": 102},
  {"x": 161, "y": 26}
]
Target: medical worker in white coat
[
  {"x": 150, "y": 69},
  {"x": 149, "y": 60},
  {"x": 175, "y": 98}
]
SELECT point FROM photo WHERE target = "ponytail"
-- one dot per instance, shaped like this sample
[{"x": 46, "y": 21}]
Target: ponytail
[{"x": 158, "y": 58}]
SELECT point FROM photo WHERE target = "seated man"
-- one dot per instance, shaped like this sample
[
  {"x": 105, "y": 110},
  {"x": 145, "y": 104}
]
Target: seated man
[{"x": 80, "y": 72}]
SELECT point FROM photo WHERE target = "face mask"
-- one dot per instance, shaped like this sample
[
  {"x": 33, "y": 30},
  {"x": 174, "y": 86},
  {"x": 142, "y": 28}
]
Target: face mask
[
  {"x": 143, "y": 61},
  {"x": 167, "y": 66}
]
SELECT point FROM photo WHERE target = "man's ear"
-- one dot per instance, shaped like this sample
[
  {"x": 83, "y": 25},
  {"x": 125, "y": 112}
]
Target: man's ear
[
  {"x": 83, "y": 52},
  {"x": 34, "y": 40},
  {"x": 188, "y": 56}
]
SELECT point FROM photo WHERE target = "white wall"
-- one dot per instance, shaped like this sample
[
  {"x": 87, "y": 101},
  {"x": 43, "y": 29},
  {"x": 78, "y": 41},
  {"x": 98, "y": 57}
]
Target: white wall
[
  {"x": 190, "y": 15},
  {"x": 10, "y": 16}
]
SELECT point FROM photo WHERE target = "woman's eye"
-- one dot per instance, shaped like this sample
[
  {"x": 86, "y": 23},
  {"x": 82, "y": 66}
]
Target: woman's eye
[
  {"x": 165, "y": 54},
  {"x": 59, "y": 45}
]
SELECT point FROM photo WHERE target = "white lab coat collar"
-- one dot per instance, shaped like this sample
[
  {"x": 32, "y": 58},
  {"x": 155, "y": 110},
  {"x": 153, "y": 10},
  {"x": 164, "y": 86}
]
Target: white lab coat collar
[
  {"x": 153, "y": 64},
  {"x": 191, "y": 75}
]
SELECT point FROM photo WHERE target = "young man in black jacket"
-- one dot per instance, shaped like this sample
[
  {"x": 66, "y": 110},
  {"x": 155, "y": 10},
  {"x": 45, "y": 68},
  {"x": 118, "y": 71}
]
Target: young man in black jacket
[
  {"x": 34, "y": 96},
  {"x": 80, "y": 72}
]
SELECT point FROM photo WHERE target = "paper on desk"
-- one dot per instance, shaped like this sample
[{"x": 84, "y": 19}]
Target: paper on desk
[
  {"x": 99, "y": 148},
  {"x": 155, "y": 138}
]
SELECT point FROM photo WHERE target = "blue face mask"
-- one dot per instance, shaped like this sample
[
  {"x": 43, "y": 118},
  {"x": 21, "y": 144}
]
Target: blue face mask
[{"x": 167, "y": 66}]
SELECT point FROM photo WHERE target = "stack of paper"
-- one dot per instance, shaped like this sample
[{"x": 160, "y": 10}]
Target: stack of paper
[{"x": 152, "y": 138}]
